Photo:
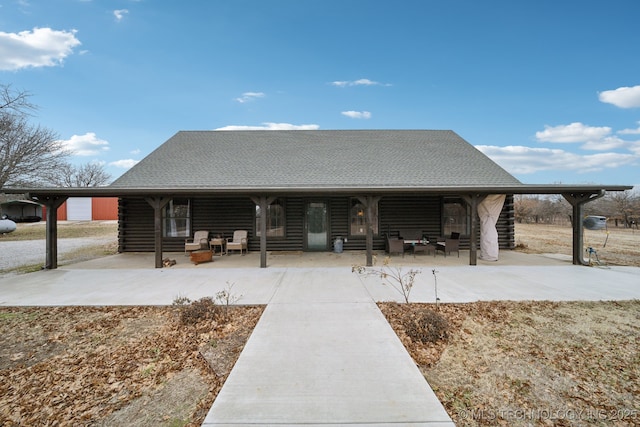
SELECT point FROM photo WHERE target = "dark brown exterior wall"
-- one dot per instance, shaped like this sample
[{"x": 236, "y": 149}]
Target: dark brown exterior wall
[
  {"x": 223, "y": 215},
  {"x": 505, "y": 225}
]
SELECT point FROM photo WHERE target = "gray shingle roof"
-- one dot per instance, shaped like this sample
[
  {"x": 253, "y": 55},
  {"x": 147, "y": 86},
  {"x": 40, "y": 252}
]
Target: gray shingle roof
[{"x": 358, "y": 159}]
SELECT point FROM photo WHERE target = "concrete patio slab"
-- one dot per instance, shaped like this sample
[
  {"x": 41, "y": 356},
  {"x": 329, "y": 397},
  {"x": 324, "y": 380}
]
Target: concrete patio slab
[{"x": 123, "y": 280}]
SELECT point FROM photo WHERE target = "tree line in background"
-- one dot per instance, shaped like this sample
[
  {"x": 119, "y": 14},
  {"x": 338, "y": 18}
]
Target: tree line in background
[
  {"x": 31, "y": 155},
  {"x": 622, "y": 209}
]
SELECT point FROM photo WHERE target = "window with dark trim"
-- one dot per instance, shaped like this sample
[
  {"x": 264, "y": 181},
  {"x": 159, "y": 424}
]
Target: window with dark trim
[
  {"x": 275, "y": 219},
  {"x": 358, "y": 219},
  {"x": 455, "y": 217},
  {"x": 177, "y": 218}
]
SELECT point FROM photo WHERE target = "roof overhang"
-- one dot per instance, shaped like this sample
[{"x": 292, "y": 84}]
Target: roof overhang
[
  {"x": 20, "y": 202},
  {"x": 288, "y": 190}
]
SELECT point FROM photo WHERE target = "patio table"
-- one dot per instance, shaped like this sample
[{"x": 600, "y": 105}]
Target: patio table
[
  {"x": 218, "y": 241},
  {"x": 420, "y": 246}
]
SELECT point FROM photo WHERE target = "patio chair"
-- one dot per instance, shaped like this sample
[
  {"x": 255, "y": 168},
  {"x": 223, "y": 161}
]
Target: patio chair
[
  {"x": 238, "y": 242},
  {"x": 448, "y": 246},
  {"x": 395, "y": 245},
  {"x": 200, "y": 241}
]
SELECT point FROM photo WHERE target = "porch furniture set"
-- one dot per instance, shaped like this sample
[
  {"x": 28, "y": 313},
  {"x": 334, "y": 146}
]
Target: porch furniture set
[
  {"x": 202, "y": 249},
  {"x": 416, "y": 242}
]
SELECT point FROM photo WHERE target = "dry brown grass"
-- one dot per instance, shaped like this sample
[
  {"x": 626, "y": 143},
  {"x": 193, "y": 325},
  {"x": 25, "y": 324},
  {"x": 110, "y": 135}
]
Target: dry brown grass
[
  {"x": 111, "y": 366},
  {"x": 532, "y": 363},
  {"x": 615, "y": 246},
  {"x": 66, "y": 230}
]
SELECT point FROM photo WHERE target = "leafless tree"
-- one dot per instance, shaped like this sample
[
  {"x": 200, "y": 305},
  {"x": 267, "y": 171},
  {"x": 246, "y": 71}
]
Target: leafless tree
[
  {"x": 621, "y": 207},
  {"x": 12, "y": 101},
  {"x": 28, "y": 154},
  {"x": 536, "y": 208},
  {"x": 624, "y": 205},
  {"x": 523, "y": 207},
  {"x": 87, "y": 175}
]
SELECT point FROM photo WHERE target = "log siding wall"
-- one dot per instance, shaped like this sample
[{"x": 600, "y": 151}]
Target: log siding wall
[{"x": 223, "y": 215}]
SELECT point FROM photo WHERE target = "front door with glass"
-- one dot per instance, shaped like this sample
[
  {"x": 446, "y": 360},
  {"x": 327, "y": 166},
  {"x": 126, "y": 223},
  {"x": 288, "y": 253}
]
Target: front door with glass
[{"x": 316, "y": 225}]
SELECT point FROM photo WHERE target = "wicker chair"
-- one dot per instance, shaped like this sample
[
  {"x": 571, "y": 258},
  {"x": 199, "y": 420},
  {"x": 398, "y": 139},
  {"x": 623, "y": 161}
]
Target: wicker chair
[
  {"x": 395, "y": 245},
  {"x": 200, "y": 241},
  {"x": 449, "y": 245},
  {"x": 238, "y": 242}
]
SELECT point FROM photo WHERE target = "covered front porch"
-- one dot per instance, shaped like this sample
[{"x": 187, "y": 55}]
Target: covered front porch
[{"x": 577, "y": 196}]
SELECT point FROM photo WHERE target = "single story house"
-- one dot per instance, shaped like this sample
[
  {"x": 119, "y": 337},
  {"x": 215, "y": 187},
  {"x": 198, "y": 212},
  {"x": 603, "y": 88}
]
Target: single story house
[{"x": 302, "y": 190}]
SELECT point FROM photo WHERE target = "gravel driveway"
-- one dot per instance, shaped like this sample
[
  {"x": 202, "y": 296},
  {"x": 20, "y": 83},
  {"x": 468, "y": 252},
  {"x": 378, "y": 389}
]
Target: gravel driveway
[{"x": 14, "y": 254}]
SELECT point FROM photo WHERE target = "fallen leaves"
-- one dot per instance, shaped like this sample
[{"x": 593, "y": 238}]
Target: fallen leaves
[
  {"x": 77, "y": 365},
  {"x": 503, "y": 363},
  {"x": 533, "y": 363}
]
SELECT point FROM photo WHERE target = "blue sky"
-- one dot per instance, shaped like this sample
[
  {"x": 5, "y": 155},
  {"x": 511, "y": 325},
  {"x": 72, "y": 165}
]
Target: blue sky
[{"x": 548, "y": 89}]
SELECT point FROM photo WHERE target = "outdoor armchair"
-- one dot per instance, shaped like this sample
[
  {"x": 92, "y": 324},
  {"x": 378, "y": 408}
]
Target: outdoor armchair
[
  {"x": 238, "y": 242},
  {"x": 200, "y": 241},
  {"x": 395, "y": 245},
  {"x": 448, "y": 246}
]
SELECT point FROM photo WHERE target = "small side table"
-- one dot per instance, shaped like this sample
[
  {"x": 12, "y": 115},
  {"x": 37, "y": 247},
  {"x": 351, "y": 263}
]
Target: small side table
[{"x": 218, "y": 241}]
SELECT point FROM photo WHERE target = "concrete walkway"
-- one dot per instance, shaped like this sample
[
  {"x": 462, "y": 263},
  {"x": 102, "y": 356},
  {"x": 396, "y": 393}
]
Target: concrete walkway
[{"x": 322, "y": 353}]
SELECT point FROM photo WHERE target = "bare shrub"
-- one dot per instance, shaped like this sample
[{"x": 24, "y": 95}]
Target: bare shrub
[
  {"x": 398, "y": 279},
  {"x": 197, "y": 311},
  {"x": 426, "y": 326}
]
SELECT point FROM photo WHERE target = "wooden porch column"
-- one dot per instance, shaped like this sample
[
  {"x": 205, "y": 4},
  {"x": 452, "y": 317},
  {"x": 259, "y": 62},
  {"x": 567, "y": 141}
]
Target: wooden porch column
[
  {"x": 578, "y": 200},
  {"x": 157, "y": 203},
  {"x": 52, "y": 203},
  {"x": 369, "y": 202},
  {"x": 473, "y": 200},
  {"x": 263, "y": 202}
]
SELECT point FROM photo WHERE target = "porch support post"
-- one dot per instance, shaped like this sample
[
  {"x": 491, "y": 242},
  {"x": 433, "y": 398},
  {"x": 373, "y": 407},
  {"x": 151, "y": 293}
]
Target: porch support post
[
  {"x": 473, "y": 200},
  {"x": 157, "y": 203},
  {"x": 52, "y": 203},
  {"x": 577, "y": 201},
  {"x": 369, "y": 202},
  {"x": 263, "y": 202}
]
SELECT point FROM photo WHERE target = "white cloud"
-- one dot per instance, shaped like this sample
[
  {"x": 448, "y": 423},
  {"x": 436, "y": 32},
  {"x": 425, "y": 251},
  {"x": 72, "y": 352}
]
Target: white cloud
[
  {"x": 359, "y": 82},
  {"x": 623, "y": 97},
  {"x": 634, "y": 147},
  {"x": 42, "y": 47},
  {"x": 357, "y": 114},
  {"x": 124, "y": 163},
  {"x": 608, "y": 143},
  {"x": 120, "y": 13},
  {"x": 527, "y": 160},
  {"x": 250, "y": 96},
  {"x": 136, "y": 151},
  {"x": 86, "y": 145},
  {"x": 271, "y": 126},
  {"x": 629, "y": 131},
  {"x": 574, "y": 132}
]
